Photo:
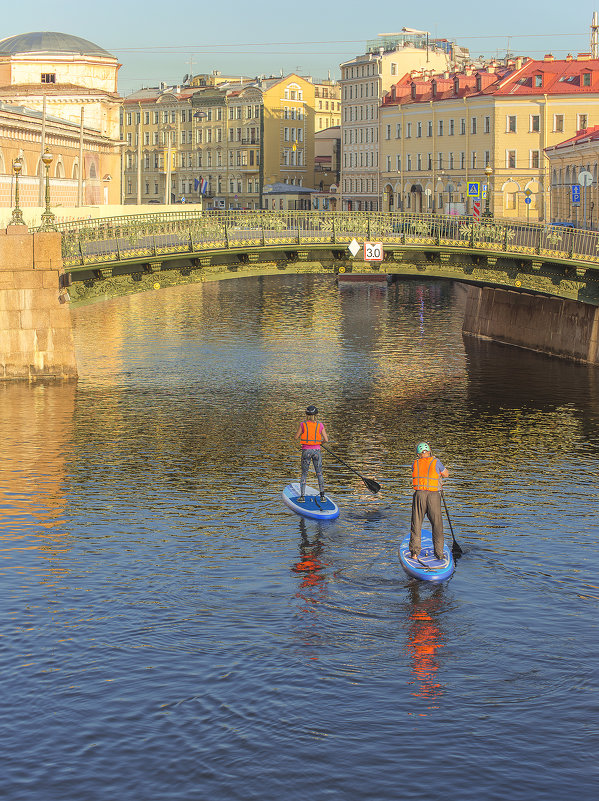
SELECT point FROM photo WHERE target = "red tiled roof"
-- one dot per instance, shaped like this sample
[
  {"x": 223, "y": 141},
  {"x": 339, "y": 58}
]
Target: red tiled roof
[
  {"x": 585, "y": 135},
  {"x": 554, "y": 78}
]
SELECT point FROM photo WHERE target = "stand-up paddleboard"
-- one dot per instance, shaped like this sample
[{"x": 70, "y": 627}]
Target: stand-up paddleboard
[
  {"x": 312, "y": 507},
  {"x": 427, "y": 567}
]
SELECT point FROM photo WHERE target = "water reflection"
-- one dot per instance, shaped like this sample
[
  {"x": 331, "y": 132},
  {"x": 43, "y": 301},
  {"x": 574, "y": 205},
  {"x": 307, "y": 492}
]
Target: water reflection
[{"x": 425, "y": 640}]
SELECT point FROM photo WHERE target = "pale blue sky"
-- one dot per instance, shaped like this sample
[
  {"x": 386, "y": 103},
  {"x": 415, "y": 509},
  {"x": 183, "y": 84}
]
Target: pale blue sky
[{"x": 156, "y": 40}]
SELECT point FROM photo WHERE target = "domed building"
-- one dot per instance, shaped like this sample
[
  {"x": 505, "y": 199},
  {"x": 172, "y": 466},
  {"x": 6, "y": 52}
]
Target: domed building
[{"x": 61, "y": 92}]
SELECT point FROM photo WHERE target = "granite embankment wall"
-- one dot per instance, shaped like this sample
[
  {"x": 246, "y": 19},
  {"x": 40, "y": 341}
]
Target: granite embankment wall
[
  {"x": 36, "y": 335},
  {"x": 555, "y": 326}
]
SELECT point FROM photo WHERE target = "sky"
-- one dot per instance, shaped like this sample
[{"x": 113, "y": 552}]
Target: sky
[{"x": 155, "y": 41}]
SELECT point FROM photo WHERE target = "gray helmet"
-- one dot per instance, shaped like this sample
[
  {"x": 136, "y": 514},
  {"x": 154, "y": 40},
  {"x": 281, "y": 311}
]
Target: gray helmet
[{"x": 311, "y": 410}]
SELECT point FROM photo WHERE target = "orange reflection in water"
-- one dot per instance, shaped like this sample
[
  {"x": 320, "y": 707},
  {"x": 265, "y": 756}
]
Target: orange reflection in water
[
  {"x": 312, "y": 587},
  {"x": 425, "y": 639},
  {"x": 35, "y": 442}
]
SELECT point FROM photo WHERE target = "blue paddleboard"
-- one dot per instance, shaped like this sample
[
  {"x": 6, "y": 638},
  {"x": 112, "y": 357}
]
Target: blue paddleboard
[
  {"x": 312, "y": 507},
  {"x": 427, "y": 567}
]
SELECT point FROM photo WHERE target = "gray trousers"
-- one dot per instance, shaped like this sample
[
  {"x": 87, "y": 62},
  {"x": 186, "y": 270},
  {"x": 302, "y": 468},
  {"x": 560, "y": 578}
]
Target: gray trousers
[
  {"x": 311, "y": 455},
  {"x": 429, "y": 504}
]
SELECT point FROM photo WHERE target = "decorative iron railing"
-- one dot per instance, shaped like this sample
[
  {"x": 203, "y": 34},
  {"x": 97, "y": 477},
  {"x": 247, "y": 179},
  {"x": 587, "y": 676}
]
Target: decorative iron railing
[{"x": 114, "y": 239}]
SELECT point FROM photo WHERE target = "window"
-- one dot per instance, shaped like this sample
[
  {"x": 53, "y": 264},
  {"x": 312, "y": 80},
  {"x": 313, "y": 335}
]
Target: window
[
  {"x": 510, "y": 123},
  {"x": 487, "y": 125},
  {"x": 409, "y": 162},
  {"x": 586, "y": 78},
  {"x": 538, "y": 80},
  {"x": 430, "y": 161},
  {"x": 534, "y": 159},
  {"x": 474, "y": 159},
  {"x": 393, "y": 69},
  {"x": 510, "y": 159},
  {"x": 535, "y": 123},
  {"x": 582, "y": 121},
  {"x": 473, "y": 121},
  {"x": 451, "y": 127},
  {"x": 409, "y": 131},
  {"x": 146, "y": 117},
  {"x": 129, "y": 118},
  {"x": 398, "y": 131},
  {"x": 463, "y": 126},
  {"x": 48, "y": 77},
  {"x": 419, "y": 161},
  {"x": 440, "y": 127},
  {"x": 558, "y": 123},
  {"x": 440, "y": 160},
  {"x": 430, "y": 128},
  {"x": 388, "y": 163},
  {"x": 419, "y": 129},
  {"x": 487, "y": 157},
  {"x": 388, "y": 132}
]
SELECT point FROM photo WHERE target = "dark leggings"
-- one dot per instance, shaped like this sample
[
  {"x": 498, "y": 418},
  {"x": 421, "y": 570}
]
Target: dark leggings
[
  {"x": 311, "y": 455},
  {"x": 429, "y": 503}
]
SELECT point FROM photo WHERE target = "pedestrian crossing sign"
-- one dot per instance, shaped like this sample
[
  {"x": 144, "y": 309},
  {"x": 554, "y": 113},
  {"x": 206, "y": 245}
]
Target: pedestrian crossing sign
[{"x": 473, "y": 188}]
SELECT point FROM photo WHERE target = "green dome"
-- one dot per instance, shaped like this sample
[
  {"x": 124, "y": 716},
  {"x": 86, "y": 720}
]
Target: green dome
[{"x": 50, "y": 42}]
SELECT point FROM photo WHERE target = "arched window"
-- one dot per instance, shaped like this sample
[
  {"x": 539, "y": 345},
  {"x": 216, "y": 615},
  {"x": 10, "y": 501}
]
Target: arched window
[
  {"x": 92, "y": 170},
  {"x": 59, "y": 169}
]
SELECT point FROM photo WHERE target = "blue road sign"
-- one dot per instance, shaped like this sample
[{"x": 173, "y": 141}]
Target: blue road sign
[
  {"x": 575, "y": 193},
  {"x": 527, "y": 200},
  {"x": 473, "y": 188}
]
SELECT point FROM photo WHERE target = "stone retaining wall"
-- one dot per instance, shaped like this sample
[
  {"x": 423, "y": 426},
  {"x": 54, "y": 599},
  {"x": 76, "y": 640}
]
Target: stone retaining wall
[
  {"x": 36, "y": 335},
  {"x": 555, "y": 326}
]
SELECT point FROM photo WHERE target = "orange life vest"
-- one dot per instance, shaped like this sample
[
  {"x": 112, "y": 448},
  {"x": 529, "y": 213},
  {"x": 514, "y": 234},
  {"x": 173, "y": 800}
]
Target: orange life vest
[
  {"x": 311, "y": 434},
  {"x": 424, "y": 474}
]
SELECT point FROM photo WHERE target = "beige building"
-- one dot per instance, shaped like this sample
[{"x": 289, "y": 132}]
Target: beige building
[
  {"x": 220, "y": 142},
  {"x": 567, "y": 160},
  {"x": 440, "y": 131},
  {"x": 327, "y": 105},
  {"x": 59, "y": 91},
  {"x": 364, "y": 81}
]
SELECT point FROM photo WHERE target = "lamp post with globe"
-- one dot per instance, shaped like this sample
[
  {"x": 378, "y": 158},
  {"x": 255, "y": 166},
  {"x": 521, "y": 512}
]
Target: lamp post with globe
[
  {"x": 17, "y": 214},
  {"x": 48, "y": 217}
]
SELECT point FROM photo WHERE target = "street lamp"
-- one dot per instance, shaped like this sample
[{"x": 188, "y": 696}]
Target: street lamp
[
  {"x": 48, "y": 218},
  {"x": 488, "y": 174},
  {"x": 17, "y": 214}
]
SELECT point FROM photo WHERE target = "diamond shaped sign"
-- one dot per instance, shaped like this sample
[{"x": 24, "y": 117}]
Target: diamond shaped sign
[{"x": 354, "y": 247}]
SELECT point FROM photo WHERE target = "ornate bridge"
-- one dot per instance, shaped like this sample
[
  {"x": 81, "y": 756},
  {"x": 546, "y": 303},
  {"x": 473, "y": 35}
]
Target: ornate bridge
[{"x": 183, "y": 245}]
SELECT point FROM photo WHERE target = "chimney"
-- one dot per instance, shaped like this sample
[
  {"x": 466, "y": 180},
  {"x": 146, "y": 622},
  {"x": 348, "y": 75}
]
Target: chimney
[
  {"x": 584, "y": 57},
  {"x": 518, "y": 62},
  {"x": 569, "y": 57},
  {"x": 549, "y": 57}
]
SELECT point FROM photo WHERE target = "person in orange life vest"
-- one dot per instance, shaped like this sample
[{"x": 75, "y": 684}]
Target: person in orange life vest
[
  {"x": 310, "y": 434},
  {"x": 427, "y": 472}
]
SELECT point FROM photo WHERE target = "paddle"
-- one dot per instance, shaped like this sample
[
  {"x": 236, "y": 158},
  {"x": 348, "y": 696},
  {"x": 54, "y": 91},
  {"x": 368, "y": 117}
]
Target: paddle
[
  {"x": 455, "y": 548},
  {"x": 372, "y": 485}
]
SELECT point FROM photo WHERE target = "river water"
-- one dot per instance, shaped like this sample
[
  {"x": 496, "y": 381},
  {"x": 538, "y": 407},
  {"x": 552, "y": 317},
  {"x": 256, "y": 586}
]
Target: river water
[{"x": 171, "y": 631}]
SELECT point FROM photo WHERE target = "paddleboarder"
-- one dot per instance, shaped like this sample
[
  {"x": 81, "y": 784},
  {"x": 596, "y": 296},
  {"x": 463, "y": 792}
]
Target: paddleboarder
[
  {"x": 311, "y": 433},
  {"x": 427, "y": 472}
]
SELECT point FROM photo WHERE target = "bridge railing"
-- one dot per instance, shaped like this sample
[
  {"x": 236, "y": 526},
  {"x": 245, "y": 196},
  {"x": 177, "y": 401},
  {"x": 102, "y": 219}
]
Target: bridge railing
[{"x": 120, "y": 238}]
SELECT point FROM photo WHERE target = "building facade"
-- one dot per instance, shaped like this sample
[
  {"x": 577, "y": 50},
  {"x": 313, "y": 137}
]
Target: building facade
[
  {"x": 59, "y": 92},
  {"x": 364, "y": 81},
  {"x": 567, "y": 160},
  {"x": 220, "y": 142},
  {"x": 441, "y": 131}
]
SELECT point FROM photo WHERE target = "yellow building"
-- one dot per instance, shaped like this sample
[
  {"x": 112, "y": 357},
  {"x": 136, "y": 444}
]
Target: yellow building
[
  {"x": 59, "y": 92},
  {"x": 218, "y": 142},
  {"x": 439, "y": 132},
  {"x": 327, "y": 105}
]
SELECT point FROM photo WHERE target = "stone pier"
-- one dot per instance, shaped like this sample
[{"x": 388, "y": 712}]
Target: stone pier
[
  {"x": 555, "y": 326},
  {"x": 36, "y": 335}
]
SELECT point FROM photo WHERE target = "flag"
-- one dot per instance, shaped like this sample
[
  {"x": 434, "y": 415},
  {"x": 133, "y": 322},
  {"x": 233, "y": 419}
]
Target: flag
[
  {"x": 196, "y": 184},
  {"x": 203, "y": 186}
]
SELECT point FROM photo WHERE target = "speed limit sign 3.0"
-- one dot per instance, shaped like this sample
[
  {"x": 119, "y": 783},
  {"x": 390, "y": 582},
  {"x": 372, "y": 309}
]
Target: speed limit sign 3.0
[{"x": 373, "y": 251}]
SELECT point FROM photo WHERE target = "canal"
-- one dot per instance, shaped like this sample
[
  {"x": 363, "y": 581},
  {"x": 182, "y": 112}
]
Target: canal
[{"x": 171, "y": 631}]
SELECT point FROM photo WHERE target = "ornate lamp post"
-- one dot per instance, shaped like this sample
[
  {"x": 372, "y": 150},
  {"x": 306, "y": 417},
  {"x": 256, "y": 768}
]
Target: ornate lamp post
[
  {"x": 488, "y": 174},
  {"x": 48, "y": 218},
  {"x": 17, "y": 214}
]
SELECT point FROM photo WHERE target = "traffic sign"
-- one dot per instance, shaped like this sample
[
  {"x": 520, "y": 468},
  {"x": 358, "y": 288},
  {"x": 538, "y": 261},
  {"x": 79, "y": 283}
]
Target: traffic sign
[
  {"x": 575, "y": 193},
  {"x": 473, "y": 188},
  {"x": 484, "y": 191},
  {"x": 585, "y": 178},
  {"x": 528, "y": 200},
  {"x": 476, "y": 210},
  {"x": 528, "y": 192},
  {"x": 354, "y": 247},
  {"x": 373, "y": 251}
]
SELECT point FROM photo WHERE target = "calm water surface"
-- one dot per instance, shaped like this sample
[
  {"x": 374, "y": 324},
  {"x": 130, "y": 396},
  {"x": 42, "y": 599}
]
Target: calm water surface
[{"x": 171, "y": 631}]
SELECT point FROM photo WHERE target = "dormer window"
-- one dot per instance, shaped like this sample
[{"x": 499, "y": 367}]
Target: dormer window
[
  {"x": 538, "y": 80},
  {"x": 413, "y": 87},
  {"x": 586, "y": 78},
  {"x": 434, "y": 85},
  {"x": 479, "y": 83},
  {"x": 456, "y": 86}
]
